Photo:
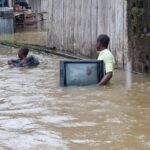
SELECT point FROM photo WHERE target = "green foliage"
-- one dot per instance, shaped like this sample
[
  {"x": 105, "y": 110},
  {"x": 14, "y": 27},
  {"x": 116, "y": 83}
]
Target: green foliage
[{"x": 137, "y": 11}]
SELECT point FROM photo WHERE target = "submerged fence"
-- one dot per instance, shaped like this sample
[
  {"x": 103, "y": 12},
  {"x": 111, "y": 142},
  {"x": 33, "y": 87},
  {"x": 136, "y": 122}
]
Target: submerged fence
[{"x": 75, "y": 24}]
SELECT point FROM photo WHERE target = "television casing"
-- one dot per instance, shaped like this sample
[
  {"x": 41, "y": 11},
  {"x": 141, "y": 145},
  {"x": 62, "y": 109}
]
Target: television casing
[{"x": 63, "y": 72}]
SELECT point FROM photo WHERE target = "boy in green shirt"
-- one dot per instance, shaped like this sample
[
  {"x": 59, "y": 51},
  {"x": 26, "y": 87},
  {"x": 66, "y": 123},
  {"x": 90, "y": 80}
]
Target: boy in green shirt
[{"x": 105, "y": 55}]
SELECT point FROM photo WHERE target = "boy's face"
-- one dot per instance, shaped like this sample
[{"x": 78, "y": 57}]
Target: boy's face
[
  {"x": 98, "y": 46},
  {"x": 20, "y": 54}
]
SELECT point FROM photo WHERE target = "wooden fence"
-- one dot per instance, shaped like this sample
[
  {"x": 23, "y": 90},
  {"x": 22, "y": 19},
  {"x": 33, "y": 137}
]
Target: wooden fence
[
  {"x": 39, "y": 5},
  {"x": 75, "y": 24}
]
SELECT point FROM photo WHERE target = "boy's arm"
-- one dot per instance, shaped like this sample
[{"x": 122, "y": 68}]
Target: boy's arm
[
  {"x": 9, "y": 62},
  {"x": 14, "y": 62},
  {"x": 106, "y": 79},
  {"x": 109, "y": 73},
  {"x": 109, "y": 68}
]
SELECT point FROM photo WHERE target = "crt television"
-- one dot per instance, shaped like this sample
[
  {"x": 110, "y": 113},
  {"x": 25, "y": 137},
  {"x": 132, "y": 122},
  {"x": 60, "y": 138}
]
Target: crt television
[{"x": 81, "y": 73}]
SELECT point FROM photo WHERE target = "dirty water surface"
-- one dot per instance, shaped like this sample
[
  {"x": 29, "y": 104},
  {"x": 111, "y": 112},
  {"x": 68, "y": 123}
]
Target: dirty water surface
[{"x": 37, "y": 114}]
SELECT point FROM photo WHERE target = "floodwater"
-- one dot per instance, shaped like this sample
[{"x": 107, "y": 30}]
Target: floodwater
[
  {"x": 37, "y": 114},
  {"x": 35, "y": 34}
]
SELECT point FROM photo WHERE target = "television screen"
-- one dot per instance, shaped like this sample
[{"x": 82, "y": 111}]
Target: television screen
[{"x": 80, "y": 73}]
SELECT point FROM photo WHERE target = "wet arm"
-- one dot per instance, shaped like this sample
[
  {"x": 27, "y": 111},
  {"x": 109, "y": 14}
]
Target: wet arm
[
  {"x": 106, "y": 79},
  {"x": 9, "y": 62}
]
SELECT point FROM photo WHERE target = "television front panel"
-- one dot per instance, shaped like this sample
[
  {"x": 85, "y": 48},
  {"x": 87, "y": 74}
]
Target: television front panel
[{"x": 81, "y": 73}]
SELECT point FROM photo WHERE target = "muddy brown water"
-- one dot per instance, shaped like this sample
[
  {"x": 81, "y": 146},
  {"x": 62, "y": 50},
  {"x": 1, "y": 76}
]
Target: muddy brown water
[
  {"x": 37, "y": 114},
  {"x": 36, "y": 34}
]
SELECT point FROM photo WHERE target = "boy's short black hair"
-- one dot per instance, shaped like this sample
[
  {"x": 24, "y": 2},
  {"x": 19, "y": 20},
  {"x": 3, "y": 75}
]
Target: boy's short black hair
[
  {"x": 25, "y": 50},
  {"x": 104, "y": 40}
]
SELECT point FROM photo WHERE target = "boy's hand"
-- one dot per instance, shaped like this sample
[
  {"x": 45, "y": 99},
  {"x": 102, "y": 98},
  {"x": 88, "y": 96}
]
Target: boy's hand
[
  {"x": 9, "y": 62},
  {"x": 106, "y": 79}
]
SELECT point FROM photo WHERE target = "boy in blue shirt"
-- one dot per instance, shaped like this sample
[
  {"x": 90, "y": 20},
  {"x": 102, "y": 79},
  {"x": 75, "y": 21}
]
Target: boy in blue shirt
[{"x": 23, "y": 59}]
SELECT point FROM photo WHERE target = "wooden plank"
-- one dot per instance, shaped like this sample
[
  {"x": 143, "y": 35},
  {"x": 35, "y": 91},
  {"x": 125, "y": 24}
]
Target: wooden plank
[
  {"x": 77, "y": 26},
  {"x": 86, "y": 33},
  {"x": 94, "y": 26},
  {"x": 18, "y": 14},
  {"x": 36, "y": 5},
  {"x": 68, "y": 25},
  {"x": 50, "y": 23},
  {"x": 125, "y": 35},
  {"x": 44, "y": 5},
  {"x": 57, "y": 24}
]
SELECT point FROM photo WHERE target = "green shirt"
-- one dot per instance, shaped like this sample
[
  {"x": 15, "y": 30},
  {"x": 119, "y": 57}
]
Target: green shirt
[{"x": 108, "y": 59}]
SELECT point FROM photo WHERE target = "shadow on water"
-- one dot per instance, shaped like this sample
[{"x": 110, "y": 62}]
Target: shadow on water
[{"x": 35, "y": 113}]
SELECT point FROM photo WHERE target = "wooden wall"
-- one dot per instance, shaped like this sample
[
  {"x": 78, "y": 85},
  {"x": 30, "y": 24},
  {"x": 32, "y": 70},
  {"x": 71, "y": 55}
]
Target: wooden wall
[
  {"x": 44, "y": 5},
  {"x": 36, "y": 5},
  {"x": 75, "y": 24},
  {"x": 39, "y": 5}
]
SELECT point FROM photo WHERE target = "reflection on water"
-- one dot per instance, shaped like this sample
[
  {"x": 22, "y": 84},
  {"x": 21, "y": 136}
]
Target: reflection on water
[
  {"x": 38, "y": 38},
  {"x": 36, "y": 34},
  {"x": 35, "y": 113},
  {"x": 128, "y": 75}
]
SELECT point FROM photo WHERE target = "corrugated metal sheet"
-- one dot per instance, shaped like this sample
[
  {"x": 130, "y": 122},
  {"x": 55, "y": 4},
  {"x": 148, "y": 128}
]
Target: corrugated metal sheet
[{"x": 6, "y": 24}]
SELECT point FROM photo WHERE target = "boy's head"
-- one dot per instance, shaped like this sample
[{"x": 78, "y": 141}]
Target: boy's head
[
  {"x": 102, "y": 42},
  {"x": 23, "y": 52}
]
